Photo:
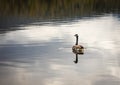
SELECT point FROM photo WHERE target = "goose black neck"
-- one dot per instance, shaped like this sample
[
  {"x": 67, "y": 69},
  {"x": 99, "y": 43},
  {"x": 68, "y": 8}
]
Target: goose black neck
[{"x": 76, "y": 40}]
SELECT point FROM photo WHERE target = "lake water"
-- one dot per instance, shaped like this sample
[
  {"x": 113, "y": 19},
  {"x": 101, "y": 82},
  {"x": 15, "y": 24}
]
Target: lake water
[{"x": 39, "y": 51}]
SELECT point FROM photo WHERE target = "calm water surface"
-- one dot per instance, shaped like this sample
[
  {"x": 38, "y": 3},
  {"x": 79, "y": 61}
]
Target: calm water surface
[{"x": 42, "y": 54}]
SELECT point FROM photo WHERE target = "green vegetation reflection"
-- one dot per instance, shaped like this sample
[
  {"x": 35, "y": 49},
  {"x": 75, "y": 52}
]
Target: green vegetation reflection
[{"x": 57, "y": 8}]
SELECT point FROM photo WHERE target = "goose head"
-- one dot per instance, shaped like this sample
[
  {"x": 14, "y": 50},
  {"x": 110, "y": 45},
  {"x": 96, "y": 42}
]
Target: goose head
[{"x": 76, "y": 35}]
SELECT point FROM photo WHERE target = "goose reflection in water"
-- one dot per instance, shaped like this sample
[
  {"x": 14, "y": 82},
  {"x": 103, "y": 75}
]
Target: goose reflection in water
[{"x": 77, "y": 49}]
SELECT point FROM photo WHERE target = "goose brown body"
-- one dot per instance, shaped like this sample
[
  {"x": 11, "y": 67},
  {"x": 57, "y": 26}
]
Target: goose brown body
[{"x": 78, "y": 49}]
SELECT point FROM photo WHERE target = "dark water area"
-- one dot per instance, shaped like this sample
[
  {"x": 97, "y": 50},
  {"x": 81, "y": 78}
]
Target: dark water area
[
  {"x": 19, "y": 12},
  {"x": 36, "y": 39}
]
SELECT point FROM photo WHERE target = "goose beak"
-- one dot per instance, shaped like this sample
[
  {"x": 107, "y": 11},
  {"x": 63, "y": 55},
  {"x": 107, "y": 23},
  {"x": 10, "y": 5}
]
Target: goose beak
[{"x": 76, "y": 35}]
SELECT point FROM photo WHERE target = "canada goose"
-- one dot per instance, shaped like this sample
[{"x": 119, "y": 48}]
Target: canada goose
[{"x": 77, "y": 49}]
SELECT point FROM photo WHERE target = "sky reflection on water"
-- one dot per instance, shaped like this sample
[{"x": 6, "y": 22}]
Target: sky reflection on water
[{"x": 42, "y": 54}]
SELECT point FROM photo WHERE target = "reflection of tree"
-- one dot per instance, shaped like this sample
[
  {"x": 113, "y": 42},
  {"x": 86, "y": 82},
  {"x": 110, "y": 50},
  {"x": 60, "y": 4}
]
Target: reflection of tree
[{"x": 56, "y": 8}]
